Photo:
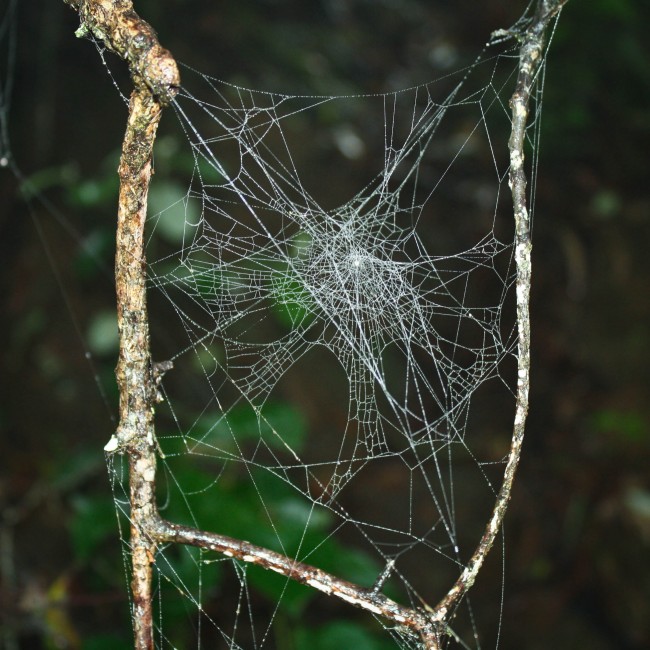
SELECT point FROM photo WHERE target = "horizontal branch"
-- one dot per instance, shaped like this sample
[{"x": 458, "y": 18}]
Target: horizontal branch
[{"x": 370, "y": 600}]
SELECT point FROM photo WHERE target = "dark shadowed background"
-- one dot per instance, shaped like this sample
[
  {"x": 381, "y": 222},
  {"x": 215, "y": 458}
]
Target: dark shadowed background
[{"x": 577, "y": 539}]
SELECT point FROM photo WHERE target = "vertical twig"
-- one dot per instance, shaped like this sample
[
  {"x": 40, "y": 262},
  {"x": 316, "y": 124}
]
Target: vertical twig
[
  {"x": 156, "y": 80},
  {"x": 530, "y": 57},
  {"x": 134, "y": 368}
]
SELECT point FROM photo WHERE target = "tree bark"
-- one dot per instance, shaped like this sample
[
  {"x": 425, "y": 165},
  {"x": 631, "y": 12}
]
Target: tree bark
[{"x": 156, "y": 80}]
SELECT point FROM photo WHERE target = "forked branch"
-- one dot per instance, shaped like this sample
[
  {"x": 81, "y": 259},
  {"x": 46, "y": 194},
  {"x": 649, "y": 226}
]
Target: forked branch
[{"x": 156, "y": 81}]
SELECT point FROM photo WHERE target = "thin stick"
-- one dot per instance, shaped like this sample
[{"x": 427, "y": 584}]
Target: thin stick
[
  {"x": 156, "y": 80},
  {"x": 530, "y": 58},
  {"x": 134, "y": 368},
  {"x": 371, "y": 600}
]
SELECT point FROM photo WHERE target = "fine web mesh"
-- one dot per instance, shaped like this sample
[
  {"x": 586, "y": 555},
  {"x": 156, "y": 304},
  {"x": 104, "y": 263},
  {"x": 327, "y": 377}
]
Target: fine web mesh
[{"x": 340, "y": 316}]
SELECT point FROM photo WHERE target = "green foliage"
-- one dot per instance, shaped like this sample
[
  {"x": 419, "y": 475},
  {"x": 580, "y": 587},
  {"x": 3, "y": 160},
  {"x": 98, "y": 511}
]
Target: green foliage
[
  {"x": 175, "y": 214},
  {"x": 629, "y": 426},
  {"x": 46, "y": 179},
  {"x": 180, "y": 567},
  {"x": 293, "y": 304},
  {"x": 622, "y": 11},
  {"x": 599, "y": 63},
  {"x": 74, "y": 468},
  {"x": 340, "y": 634},
  {"x": 102, "y": 336},
  {"x": 93, "y": 522},
  {"x": 278, "y": 425},
  {"x": 95, "y": 252},
  {"x": 106, "y": 642},
  {"x": 94, "y": 192},
  {"x": 232, "y": 504}
]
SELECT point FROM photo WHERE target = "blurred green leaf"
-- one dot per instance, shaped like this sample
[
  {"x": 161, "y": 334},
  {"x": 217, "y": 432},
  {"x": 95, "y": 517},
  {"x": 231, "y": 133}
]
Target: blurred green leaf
[
  {"x": 106, "y": 642},
  {"x": 621, "y": 10},
  {"x": 347, "y": 562},
  {"x": 93, "y": 522},
  {"x": 338, "y": 635},
  {"x": 102, "y": 336},
  {"x": 606, "y": 204},
  {"x": 73, "y": 468},
  {"x": 95, "y": 252},
  {"x": 638, "y": 502},
  {"x": 294, "y": 306},
  {"x": 172, "y": 158},
  {"x": 280, "y": 425},
  {"x": 292, "y": 595},
  {"x": 95, "y": 193},
  {"x": 175, "y": 214},
  {"x": 182, "y": 565},
  {"x": 629, "y": 425},
  {"x": 45, "y": 179}
]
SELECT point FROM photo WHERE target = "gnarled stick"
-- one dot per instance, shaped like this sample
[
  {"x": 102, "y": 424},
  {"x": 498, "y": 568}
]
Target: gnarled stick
[
  {"x": 114, "y": 23},
  {"x": 156, "y": 80}
]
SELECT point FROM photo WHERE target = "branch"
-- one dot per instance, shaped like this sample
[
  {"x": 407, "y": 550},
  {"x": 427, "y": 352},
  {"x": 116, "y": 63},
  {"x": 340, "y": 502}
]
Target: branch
[
  {"x": 156, "y": 80},
  {"x": 530, "y": 58},
  {"x": 114, "y": 23},
  {"x": 371, "y": 600}
]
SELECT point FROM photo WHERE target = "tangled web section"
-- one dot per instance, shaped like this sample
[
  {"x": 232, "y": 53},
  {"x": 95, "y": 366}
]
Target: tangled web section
[{"x": 334, "y": 286}]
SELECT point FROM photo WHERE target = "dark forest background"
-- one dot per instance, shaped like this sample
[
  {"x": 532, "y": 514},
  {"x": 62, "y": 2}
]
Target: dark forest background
[{"x": 578, "y": 530}]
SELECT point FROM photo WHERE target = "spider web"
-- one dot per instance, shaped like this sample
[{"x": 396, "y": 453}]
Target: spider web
[{"x": 343, "y": 365}]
